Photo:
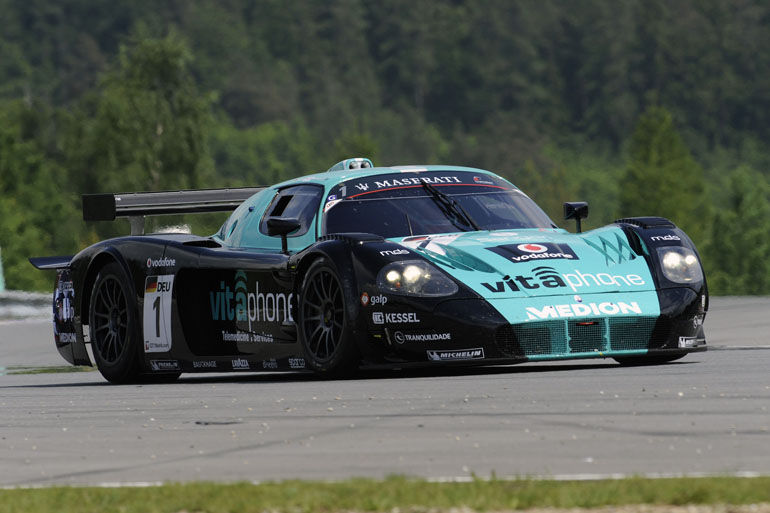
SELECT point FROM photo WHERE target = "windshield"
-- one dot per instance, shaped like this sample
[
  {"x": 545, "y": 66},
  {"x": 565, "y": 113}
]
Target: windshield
[{"x": 412, "y": 210}]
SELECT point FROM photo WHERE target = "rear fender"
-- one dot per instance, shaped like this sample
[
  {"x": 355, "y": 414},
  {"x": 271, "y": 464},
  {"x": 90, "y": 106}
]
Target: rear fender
[{"x": 67, "y": 330}]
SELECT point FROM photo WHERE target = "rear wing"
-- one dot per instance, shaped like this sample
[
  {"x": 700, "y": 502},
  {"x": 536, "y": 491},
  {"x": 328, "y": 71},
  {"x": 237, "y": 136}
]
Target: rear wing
[{"x": 137, "y": 205}]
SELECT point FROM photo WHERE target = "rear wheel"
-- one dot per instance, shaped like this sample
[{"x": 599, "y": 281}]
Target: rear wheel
[
  {"x": 635, "y": 361},
  {"x": 112, "y": 324},
  {"x": 324, "y": 329}
]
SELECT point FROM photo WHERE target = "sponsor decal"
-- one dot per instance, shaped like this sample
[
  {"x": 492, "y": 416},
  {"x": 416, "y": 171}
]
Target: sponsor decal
[
  {"x": 161, "y": 262},
  {"x": 157, "y": 313},
  {"x": 240, "y": 304},
  {"x": 270, "y": 364},
  {"x": 297, "y": 363},
  {"x": 247, "y": 336},
  {"x": 478, "y": 179},
  {"x": 164, "y": 365},
  {"x": 332, "y": 197},
  {"x": 459, "y": 354},
  {"x": 534, "y": 251},
  {"x": 206, "y": 364},
  {"x": 401, "y": 337},
  {"x": 687, "y": 341},
  {"x": 395, "y": 318},
  {"x": 330, "y": 204},
  {"x": 67, "y": 338},
  {"x": 63, "y": 309},
  {"x": 394, "y": 252},
  {"x": 364, "y": 299},
  {"x": 240, "y": 364},
  {"x": 547, "y": 277},
  {"x": 659, "y": 238},
  {"x": 614, "y": 252},
  {"x": 416, "y": 180},
  {"x": 582, "y": 310},
  {"x": 378, "y": 300},
  {"x": 697, "y": 321}
]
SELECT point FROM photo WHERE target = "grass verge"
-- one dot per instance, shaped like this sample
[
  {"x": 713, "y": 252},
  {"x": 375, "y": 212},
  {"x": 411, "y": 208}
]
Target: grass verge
[
  {"x": 47, "y": 370},
  {"x": 392, "y": 494}
]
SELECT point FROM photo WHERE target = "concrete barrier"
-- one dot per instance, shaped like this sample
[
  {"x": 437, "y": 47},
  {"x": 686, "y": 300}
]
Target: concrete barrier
[{"x": 25, "y": 305}]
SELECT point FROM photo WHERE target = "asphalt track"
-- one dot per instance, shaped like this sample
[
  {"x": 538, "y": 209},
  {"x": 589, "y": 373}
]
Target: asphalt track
[{"x": 705, "y": 414}]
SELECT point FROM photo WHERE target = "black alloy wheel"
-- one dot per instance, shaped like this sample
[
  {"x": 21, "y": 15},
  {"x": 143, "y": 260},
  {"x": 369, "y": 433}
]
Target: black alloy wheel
[
  {"x": 323, "y": 321},
  {"x": 112, "y": 323}
]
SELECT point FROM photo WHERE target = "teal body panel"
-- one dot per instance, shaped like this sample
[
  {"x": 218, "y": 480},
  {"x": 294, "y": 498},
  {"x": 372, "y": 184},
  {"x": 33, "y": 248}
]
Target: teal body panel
[{"x": 242, "y": 227}]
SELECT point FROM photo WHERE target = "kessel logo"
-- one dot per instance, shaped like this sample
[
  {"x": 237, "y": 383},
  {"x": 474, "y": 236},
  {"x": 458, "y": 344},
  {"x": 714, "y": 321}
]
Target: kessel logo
[{"x": 534, "y": 251}]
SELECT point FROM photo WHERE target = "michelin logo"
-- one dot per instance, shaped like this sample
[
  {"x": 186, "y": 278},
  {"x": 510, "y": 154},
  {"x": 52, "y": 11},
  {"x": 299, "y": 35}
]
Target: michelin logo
[{"x": 476, "y": 353}]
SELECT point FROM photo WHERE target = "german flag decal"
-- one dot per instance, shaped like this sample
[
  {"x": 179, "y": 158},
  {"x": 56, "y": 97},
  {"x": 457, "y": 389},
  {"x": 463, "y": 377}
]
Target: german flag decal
[{"x": 151, "y": 285}]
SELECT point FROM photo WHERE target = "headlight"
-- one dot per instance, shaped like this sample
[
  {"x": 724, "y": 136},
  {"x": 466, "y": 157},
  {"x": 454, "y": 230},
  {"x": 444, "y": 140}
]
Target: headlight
[
  {"x": 680, "y": 264},
  {"x": 416, "y": 278}
]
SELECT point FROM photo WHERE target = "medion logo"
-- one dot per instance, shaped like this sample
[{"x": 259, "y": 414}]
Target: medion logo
[
  {"x": 582, "y": 310},
  {"x": 241, "y": 305},
  {"x": 547, "y": 277}
]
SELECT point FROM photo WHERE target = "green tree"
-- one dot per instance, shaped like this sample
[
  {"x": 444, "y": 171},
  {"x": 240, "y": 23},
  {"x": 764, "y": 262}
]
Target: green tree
[
  {"x": 662, "y": 177},
  {"x": 37, "y": 216},
  {"x": 146, "y": 128},
  {"x": 738, "y": 257}
]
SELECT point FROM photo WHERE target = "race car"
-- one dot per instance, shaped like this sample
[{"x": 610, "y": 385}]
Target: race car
[{"x": 366, "y": 267}]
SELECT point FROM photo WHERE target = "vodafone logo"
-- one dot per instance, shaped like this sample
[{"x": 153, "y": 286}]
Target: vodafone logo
[
  {"x": 162, "y": 262},
  {"x": 532, "y": 248},
  {"x": 532, "y": 251}
]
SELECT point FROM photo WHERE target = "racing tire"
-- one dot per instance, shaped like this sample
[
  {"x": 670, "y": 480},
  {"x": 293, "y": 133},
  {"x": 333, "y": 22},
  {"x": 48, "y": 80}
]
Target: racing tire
[
  {"x": 637, "y": 361},
  {"x": 112, "y": 322},
  {"x": 324, "y": 323}
]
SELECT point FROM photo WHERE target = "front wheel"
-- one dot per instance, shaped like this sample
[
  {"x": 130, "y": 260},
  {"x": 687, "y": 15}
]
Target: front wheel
[
  {"x": 324, "y": 329},
  {"x": 112, "y": 324},
  {"x": 636, "y": 361}
]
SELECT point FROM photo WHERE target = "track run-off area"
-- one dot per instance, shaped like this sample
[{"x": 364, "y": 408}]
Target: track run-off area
[{"x": 708, "y": 413}]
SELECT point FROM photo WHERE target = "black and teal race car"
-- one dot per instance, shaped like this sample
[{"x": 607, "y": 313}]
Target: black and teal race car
[{"x": 364, "y": 266}]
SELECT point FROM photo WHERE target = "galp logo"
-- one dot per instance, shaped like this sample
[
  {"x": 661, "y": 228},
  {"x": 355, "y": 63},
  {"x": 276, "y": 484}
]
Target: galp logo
[{"x": 534, "y": 251}]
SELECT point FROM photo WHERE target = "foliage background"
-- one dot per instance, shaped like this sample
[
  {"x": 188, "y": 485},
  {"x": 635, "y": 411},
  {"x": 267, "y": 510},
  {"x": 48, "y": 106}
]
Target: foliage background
[{"x": 641, "y": 107}]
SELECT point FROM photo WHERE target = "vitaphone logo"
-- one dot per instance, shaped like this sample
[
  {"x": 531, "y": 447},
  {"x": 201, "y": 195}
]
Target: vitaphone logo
[
  {"x": 534, "y": 251},
  {"x": 547, "y": 277},
  {"x": 239, "y": 304}
]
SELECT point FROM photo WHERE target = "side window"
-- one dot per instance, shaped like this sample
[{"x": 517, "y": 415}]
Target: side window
[{"x": 300, "y": 202}]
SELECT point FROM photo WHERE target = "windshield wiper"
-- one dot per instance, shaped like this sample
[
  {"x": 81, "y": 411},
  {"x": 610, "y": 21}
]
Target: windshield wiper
[{"x": 450, "y": 207}]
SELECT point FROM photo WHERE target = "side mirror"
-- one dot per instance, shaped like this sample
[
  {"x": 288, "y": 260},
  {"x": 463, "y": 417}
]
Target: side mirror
[
  {"x": 283, "y": 227},
  {"x": 576, "y": 210}
]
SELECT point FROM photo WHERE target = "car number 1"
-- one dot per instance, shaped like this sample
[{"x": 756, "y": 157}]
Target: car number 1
[{"x": 157, "y": 313}]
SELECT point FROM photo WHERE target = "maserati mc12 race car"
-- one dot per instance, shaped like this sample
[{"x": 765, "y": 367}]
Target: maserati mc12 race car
[{"x": 364, "y": 266}]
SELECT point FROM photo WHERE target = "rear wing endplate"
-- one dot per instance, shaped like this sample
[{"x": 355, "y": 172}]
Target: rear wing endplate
[
  {"x": 52, "y": 262},
  {"x": 137, "y": 205}
]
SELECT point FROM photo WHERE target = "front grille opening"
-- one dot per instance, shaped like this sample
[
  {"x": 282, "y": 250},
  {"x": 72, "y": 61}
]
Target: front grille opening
[
  {"x": 542, "y": 338},
  {"x": 587, "y": 336},
  {"x": 631, "y": 333},
  {"x": 561, "y": 338}
]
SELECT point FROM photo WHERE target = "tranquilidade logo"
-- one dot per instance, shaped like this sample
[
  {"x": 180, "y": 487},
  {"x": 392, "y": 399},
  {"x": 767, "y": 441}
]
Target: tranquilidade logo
[
  {"x": 534, "y": 251},
  {"x": 239, "y": 304}
]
